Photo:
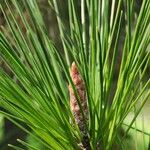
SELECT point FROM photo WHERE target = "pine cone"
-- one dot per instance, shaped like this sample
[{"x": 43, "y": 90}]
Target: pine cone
[{"x": 80, "y": 87}]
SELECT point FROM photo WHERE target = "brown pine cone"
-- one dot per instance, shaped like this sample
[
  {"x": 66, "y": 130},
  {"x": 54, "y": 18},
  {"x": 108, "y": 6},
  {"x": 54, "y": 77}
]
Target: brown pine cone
[{"x": 80, "y": 87}]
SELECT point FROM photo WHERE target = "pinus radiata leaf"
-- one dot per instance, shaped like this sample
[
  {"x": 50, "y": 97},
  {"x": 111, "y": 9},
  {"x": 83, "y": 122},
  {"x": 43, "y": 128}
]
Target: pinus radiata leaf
[{"x": 102, "y": 93}]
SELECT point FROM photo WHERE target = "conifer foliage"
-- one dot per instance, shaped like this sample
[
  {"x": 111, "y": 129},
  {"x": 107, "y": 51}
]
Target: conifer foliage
[{"x": 91, "y": 112}]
